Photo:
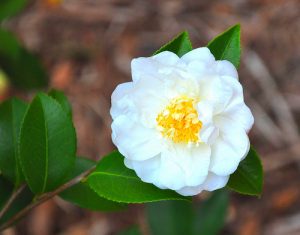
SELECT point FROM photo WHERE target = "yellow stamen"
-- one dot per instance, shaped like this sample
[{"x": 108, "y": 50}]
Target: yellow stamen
[{"x": 179, "y": 121}]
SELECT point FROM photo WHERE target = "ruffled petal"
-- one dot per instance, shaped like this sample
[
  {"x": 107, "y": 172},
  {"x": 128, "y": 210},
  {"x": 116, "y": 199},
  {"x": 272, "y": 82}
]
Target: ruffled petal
[
  {"x": 147, "y": 170},
  {"x": 143, "y": 66},
  {"x": 190, "y": 190},
  {"x": 241, "y": 115},
  {"x": 133, "y": 140},
  {"x": 170, "y": 173},
  {"x": 166, "y": 58},
  {"x": 193, "y": 162},
  {"x": 214, "y": 182},
  {"x": 229, "y": 148},
  {"x": 120, "y": 102},
  {"x": 225, "y": 68},
  {"x": 216, "y": 92},
  {"x": 202, "y": 54}
]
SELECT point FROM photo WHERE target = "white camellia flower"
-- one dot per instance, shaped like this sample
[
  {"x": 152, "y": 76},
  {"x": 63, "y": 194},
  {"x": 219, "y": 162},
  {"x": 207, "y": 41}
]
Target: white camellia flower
[{"x": 182, "y": 122}]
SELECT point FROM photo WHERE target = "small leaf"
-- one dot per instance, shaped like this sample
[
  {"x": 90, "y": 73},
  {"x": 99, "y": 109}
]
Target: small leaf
[
  {"x": 180, "y": 45},
  {"x": 211, "y": 214},
  {"x": 62, "y": 100},
  {"x": 248, "y": 178},
  {"x": 9, "y": 8},
  {"x": 47, "y": 144},
  {"x": 170, "y": 217},
  {"x": 113, "y": 181},
  {"x": 6, "y": 190},
  {"x": 226, "y": 46},
  {"x": 23, "y": 68},
  {"x": 82, "y": 195},
  {"x": 11, "y": 116}
]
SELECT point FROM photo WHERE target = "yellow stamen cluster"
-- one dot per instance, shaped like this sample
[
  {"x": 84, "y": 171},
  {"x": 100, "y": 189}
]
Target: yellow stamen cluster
[{"x": 179, "y": 121}]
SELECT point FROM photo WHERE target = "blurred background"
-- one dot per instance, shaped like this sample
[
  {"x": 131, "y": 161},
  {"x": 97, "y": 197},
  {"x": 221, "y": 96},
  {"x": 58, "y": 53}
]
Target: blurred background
[{"x": 86, "y": 47}]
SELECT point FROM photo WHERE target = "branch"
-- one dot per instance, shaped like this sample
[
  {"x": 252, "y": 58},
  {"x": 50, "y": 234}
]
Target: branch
[
  {"x": 12, "y": 198},
  {"x": 45, "y": 197}
]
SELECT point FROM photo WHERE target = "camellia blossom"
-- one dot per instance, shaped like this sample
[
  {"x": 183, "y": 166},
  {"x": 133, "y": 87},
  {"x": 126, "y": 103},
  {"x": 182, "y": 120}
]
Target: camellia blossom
[{"x": 182, "y": 123}]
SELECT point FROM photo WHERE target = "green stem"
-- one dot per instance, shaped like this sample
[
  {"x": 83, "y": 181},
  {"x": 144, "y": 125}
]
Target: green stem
[
  {"x": 12, "y": 198},
  {"x": 45, "y": 197}
]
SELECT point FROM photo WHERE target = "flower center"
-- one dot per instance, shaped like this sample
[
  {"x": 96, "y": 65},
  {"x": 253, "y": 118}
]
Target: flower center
[{"x": 179, "y": 121}]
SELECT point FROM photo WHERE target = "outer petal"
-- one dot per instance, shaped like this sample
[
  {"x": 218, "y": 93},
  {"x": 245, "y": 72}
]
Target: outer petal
[
  {"x": 193, "y": 162},
  {"x": 217, "y": 92},
  {"x": 166, "y": 58},
  {"x": 190, "y": 190},
  {"x": 225, "y": 68},
  {"x": 155, "y": 66},
  {"x": 202, "y": 54},
  {"x": 229, "y": 148},
  {"x": 241, "y": 115},
  {"x": 170, "y": 173},
  {"x": 147, "y": 170},
  {"x": 120, "y": 100},
  {"x": 141, "y": 66},
  {"x": 133, "y": 140},
  {"x": 214, "y": 182}
]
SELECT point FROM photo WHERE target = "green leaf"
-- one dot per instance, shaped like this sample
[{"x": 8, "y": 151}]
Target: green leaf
[
  {"x": 9, "y": 8},
  {"x": 131, "y": 231},
  {"x": 62, "y": 100},
  {"x": 6, "y": 190},
  {"x": 248, "y": 178},
  {"x": 211, "y": 214},
  {"x": 226, "y": 46},
  {"x": 180, "y": 45},
  {"x": 170, "y": 217},
  {"x": 82, "y": 195},
  {"x": 11, "y": 116},
  {"x": 47, "y": 144},
  {"x": 24, "y": 199},
  {"x": 23, "y": 68},
  {"x": 113, "y": 181}
]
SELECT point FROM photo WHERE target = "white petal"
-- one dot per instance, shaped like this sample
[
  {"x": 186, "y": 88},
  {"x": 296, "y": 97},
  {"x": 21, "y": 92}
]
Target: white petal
[
  {"x": 209, "y": 133},
  {"x": 229, "y": 148},
  {"x": 166, "y": 58},
  {"x": 241, "y": 115},
  {"x": 217, "y": 92},
  {"x": 170, "y": 173},
  {"x": 133, "y": 140},
  {"x": 199, "y": 54},
  {"x": 190, "y": 190},
  {"x": 214, "y": 182},
  {"x": 147, "y": 170},
  {"x": 120, "y": 102},
  {"x": 193, "y": 162},
  {"x": 225, "y": 68},
  {"x": 197, "y": 164},
  {"x": 143, "y": 66}
]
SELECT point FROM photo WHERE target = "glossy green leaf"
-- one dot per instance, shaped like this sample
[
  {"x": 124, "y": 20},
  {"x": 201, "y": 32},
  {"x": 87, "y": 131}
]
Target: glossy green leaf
[
  {"x": 170, "y": 217},
  {"x": 47, "y": 144},
  {"x": 211, "y": 214},
  {"x": 24, "y": 199},
  {"x": 9, "y": 8},
  {"x": 131, "y": 231},
  {"x": 6, "y": 190},
  {"x": 179, "y": 45},
  {"x": 114, "y": 181},
  {"x": 11, "y": 116},
  {"x": 226, "y": 46},
  {"x": 248, "y": 178},
  {"x": 82, "y": 195},
  {"x": 60, "y": 97},
  {"x": 23, "y": 68}
]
